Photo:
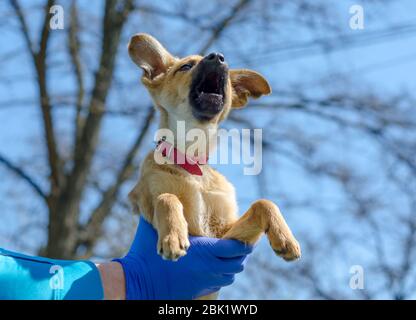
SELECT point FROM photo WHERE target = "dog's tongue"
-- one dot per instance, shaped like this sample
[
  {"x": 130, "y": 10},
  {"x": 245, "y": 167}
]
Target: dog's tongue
[{"x": 211, "y": 98}]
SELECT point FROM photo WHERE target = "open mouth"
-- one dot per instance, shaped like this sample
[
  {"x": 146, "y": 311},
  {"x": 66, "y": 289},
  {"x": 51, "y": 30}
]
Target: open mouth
[
  {"x": 207, "y": 93},
  {"x": 211, "y": 89}
]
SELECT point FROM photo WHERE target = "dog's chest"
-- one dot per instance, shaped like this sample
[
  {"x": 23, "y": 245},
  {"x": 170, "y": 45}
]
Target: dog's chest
[{"x": 212, "y": 207}]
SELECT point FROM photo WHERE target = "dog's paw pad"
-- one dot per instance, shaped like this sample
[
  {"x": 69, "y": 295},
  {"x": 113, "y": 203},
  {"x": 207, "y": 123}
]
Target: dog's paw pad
[
  {"x": 173, "y": 246},
  {"x": 287, "y": 248}
]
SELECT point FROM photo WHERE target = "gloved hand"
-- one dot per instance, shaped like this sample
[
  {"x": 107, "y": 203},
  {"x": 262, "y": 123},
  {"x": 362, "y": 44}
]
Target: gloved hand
[{"x": 209, "y": 264}]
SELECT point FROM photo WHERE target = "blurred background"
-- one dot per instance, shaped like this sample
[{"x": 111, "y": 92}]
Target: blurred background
[{"x": 339, "y": 132}]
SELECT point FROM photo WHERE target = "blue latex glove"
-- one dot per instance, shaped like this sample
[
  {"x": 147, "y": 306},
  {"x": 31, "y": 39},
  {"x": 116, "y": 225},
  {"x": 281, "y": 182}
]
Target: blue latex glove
[
  {"x": 24, "y": 277},
  {"x": 209, "y": 264}
]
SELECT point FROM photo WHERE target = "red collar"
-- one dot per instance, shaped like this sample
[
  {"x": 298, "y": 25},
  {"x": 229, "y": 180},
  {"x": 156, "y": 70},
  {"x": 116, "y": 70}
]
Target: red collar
[{"x": 190, "y": 164}]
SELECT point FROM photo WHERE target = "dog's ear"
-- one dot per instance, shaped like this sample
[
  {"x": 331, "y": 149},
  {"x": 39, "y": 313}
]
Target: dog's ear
[
  {"x": 247, "y": 83},
  {"x": 149, "y": 55}
]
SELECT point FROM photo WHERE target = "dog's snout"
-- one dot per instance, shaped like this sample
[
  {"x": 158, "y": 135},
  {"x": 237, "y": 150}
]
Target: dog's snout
[{"x": 215, "y": 57}]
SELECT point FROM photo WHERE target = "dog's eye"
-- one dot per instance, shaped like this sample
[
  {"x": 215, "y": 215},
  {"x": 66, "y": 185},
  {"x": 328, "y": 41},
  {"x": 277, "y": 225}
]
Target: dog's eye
[{"x": 186, "y": 67}]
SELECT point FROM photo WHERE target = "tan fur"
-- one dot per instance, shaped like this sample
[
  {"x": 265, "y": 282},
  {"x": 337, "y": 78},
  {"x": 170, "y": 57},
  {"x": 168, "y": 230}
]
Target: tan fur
[{"x": 178, "y": 203}]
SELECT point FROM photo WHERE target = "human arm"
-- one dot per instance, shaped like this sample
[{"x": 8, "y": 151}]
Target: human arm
[{"x": 210, "y": 264}]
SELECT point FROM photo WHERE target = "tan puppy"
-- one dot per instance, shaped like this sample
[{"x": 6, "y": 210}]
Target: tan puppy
[{"x": 200, "y": 91}]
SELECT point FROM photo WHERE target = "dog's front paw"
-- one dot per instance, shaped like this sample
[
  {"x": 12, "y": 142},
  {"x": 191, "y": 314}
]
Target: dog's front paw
[
  {"x": 173, "y": 245},
  {"x": 284, "y": 244},
  {"x": 288, "y": 250}
]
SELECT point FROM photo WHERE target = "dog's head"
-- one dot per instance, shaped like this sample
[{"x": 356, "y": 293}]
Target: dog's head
[{"x": 203, "y": 88}]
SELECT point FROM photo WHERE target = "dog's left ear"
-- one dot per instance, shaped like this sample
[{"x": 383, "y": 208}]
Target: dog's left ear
[{"x": 247, "y": 83}]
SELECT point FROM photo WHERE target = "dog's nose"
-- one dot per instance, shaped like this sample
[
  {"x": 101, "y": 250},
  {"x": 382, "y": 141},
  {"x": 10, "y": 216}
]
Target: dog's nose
[{"x": 215, "y": 57}]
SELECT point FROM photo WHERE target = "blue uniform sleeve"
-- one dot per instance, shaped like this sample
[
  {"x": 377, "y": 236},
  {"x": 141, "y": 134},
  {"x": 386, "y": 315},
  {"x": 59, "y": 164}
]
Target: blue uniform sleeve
[{"x": 24, "y": 277}]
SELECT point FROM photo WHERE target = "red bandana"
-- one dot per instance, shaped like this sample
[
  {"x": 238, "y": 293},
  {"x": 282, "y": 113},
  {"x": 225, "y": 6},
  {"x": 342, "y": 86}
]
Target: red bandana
[{"x": 186, "y": 162}]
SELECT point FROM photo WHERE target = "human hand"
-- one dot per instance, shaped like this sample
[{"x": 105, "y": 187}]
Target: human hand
[{"x": 209, "y": 264}]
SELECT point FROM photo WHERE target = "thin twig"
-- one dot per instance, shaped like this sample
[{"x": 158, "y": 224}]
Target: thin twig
[{"x": 24, "y": 175}]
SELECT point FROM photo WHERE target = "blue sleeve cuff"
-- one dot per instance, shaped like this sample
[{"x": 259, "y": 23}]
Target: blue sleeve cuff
[{"x": 24, "y": 277}]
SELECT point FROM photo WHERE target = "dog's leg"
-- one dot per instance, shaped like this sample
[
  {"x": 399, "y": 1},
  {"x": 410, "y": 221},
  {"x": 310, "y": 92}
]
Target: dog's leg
[
  {"x": 265, "y": 216},
  {"x": 171, "y": 226}
]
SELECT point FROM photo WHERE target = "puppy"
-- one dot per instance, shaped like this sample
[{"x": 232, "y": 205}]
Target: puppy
[{"x": 191, "y": 197}]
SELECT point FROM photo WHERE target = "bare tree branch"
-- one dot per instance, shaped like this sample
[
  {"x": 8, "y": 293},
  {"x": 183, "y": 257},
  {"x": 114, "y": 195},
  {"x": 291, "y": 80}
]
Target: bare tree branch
[
  {"x": 39, "y": 59},
  {"x": 93, "y": 227},
  {"x": 63, "y": 226},
  {"x": 22, "y": 174},
  {"x": 23, "y": 25},
  {"x": 219, "y": 28},
  {"x": 114, "y": 19},
  {"x": 74, "y": 51},
  {"x": 54, "y": 158}
]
